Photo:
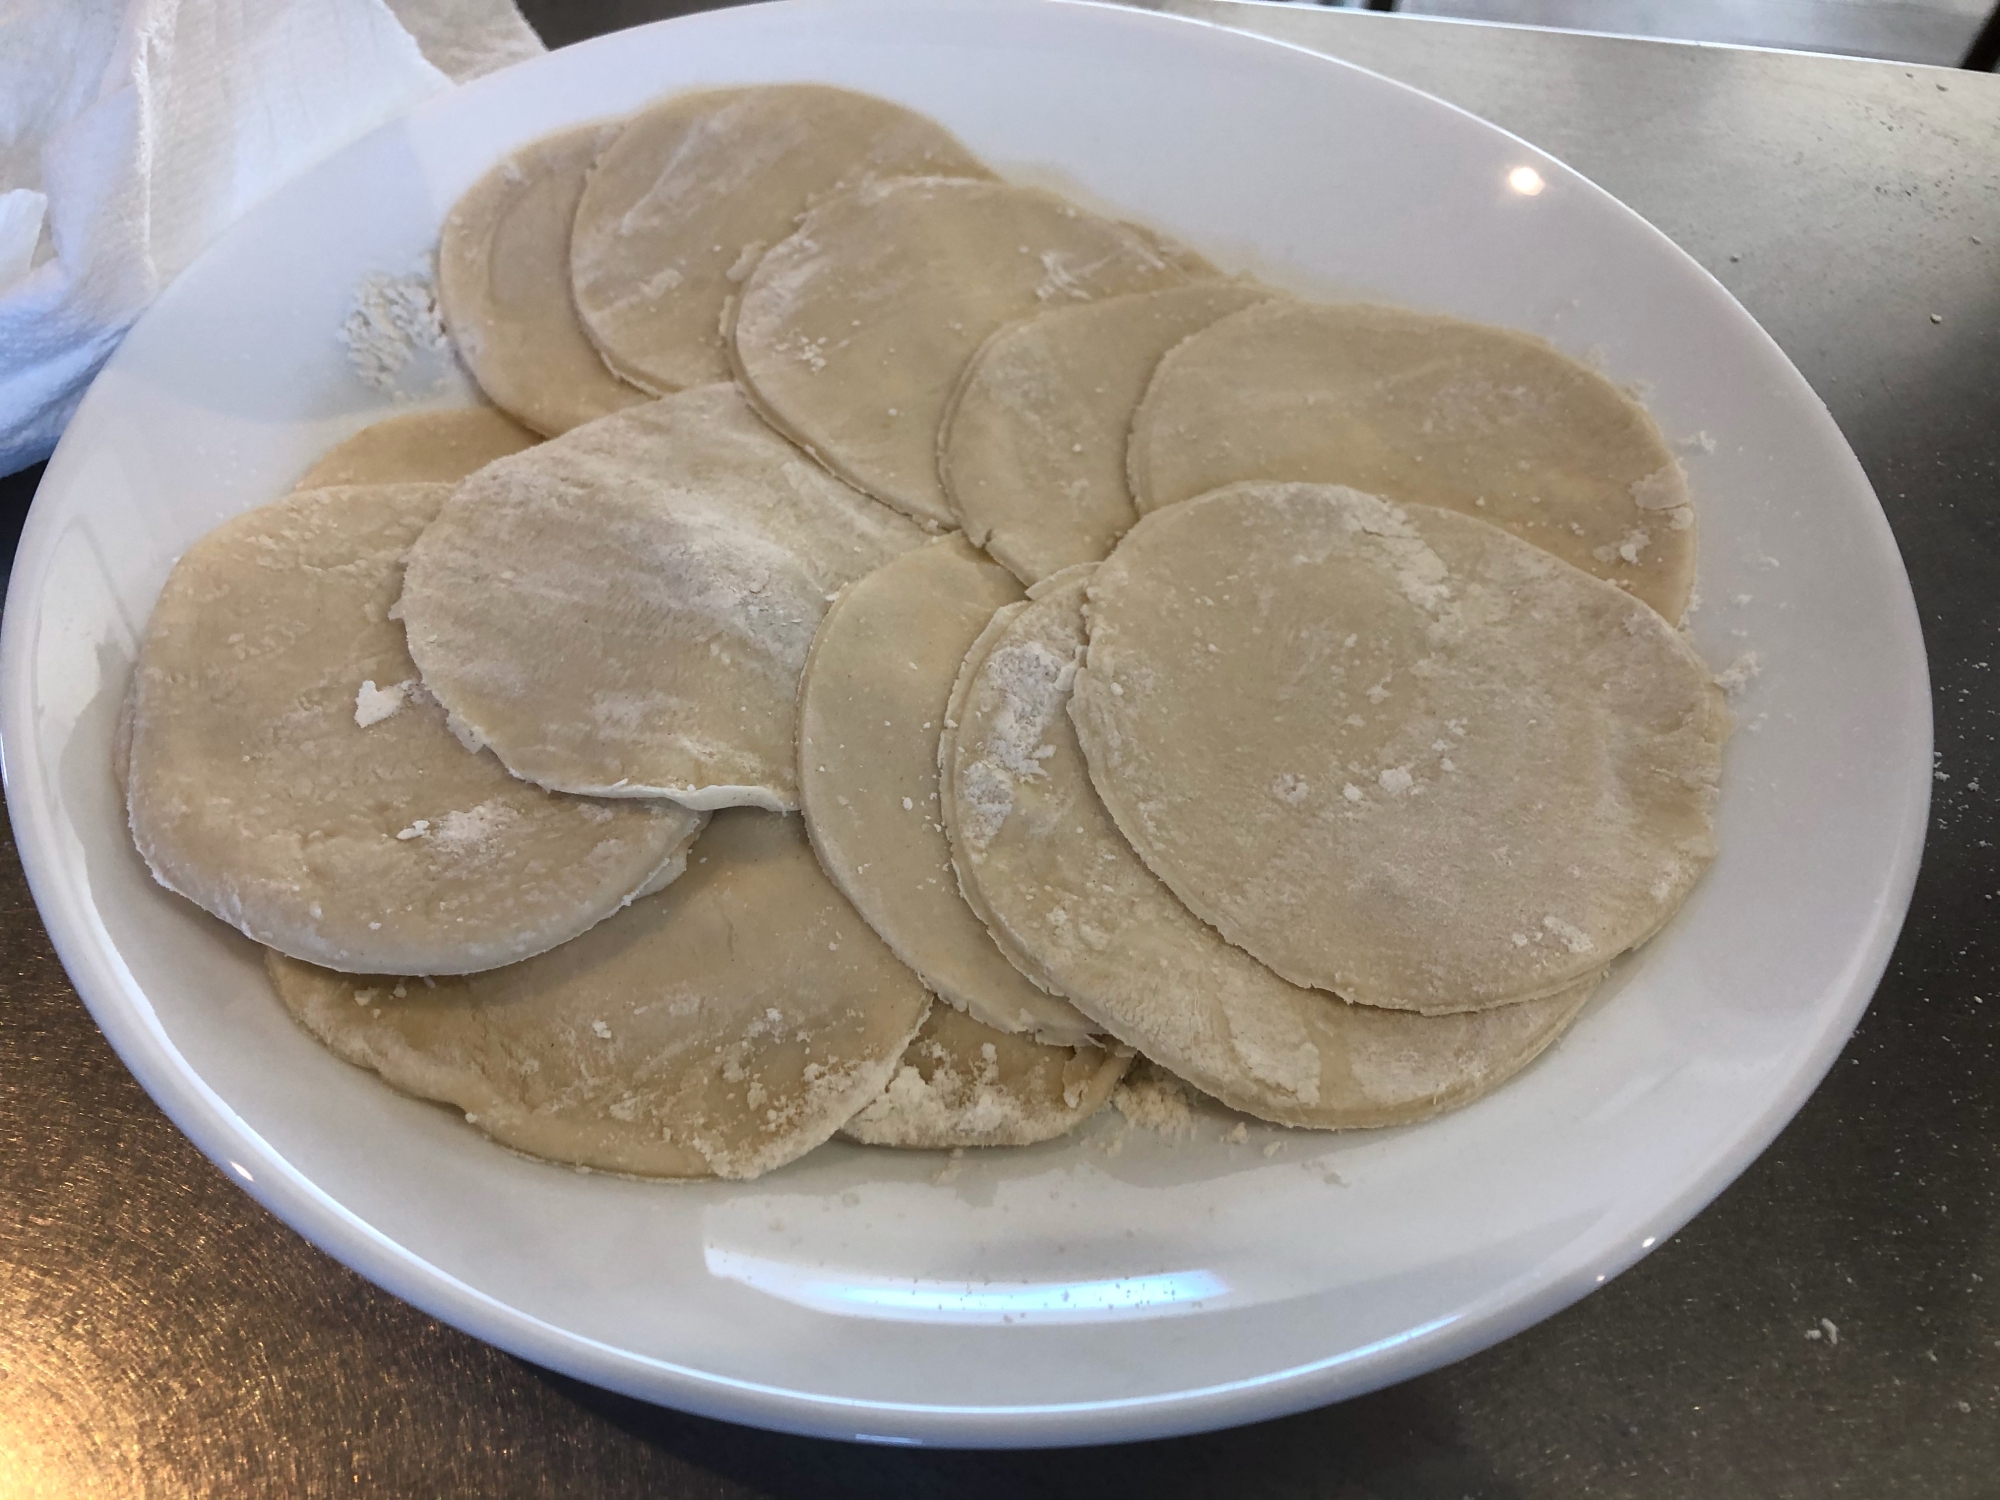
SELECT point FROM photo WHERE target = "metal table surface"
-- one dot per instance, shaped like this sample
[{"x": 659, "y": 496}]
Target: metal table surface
[{"x": 161, "y": 1335}]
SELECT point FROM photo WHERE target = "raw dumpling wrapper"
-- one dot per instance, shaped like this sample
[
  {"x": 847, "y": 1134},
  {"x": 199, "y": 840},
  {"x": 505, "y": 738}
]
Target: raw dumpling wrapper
[
  {"x": 871, "y": 706},
  {"x": 851, "y": 334},
  {"x": 1393, "y": 751},
  {"x": 1430, "y": 410},
  {"x": 723, "y": 1027},
  {"x": 420, "y": 447},
  {"x": 695, "y": 188},
  {"x": 1033, "y": 450},
  {"x": 1043, "y": 863},
  {"x": 503, "y": 287},
  {"x": 625, "y": 610},
  {"x": 288, "y": 773}
]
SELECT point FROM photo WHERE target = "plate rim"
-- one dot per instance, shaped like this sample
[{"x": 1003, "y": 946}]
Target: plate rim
[{"x": 126, "y": 1016}]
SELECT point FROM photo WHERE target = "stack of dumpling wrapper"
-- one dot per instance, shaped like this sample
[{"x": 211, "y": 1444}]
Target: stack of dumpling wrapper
[{"x": 902, "y": 650}]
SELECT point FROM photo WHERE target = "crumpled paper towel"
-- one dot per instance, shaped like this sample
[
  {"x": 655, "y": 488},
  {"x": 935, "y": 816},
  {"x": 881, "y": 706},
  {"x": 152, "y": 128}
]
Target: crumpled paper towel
[{"x": 132, "y": 132}]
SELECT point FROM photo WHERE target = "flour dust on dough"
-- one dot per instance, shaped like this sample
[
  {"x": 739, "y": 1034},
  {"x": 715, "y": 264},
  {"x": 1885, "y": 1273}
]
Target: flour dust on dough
[
  {"x": 1042, "y": 860},
  {"x": 1427, "y": 410},
  {"x": 288, "y": 773},
  {"x": 624, "y": 611},
  {"x": 871, "y": 707},
  {"x": 1032, "y": 456},
  {"x": 961, "y": 1083},
  {"x": 697, "y": 187},
  {"x": 722, "y": 1027},
  {"x": 851, "y": 334},
  {"x": 503, "y": 287},
  {"x": 1393, "y": 751}
]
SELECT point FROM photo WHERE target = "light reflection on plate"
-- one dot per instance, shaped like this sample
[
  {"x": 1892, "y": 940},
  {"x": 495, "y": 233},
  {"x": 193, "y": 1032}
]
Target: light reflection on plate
[{"x": 854, "y": 1292}]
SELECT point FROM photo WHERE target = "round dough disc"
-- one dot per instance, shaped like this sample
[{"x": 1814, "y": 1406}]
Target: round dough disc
[
  {"x": 1045, "y": 865},
  {"x": 289, "y": 775},
  {"x": 851, "y": 334},
  {"x": 694, "y": 189},
  {"x": 871, "y": 705},
  {"x": 1033, "y": 452},
  {"x": 963, "y": 1084},
  {"x": 503, "y": 287},
  {"x": 1393, "y": 751},
  {"x": 625, "y": 611},
  {"x": 1430, "y": 410},
  {"x": 420, "y": 447},
  {"x": 723, "y": 1027}
]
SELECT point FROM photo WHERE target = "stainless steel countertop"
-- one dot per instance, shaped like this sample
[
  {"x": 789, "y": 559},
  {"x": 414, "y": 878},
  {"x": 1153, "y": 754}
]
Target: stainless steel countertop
[
  {"x": 1843, "y": 202},
  {"x": 161, "y": 1335}
]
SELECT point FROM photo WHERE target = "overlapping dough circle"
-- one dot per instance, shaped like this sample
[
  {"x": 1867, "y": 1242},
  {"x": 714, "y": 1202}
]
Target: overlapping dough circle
[
  {"x": 1384, "y": 747},
  {"x": 851, "y": 334},
  {"x": 695, "y": 188},
  {"x": 503, "y": 287},
  {"x": 1033, "y": 450},
  {"x": 625, "y": 610},
  {"x": 419, "y": 447},
  {"x": 960, "y": 1083},
  {"x": 871, "y": 706},
  {"x": 1393, "y": 751},
  {"x": 722, "y": 1027},
  {"x": 1046, "y": 866},
  {"x": 1425, "y": 409},
  {"x": 340, "y": 824}
]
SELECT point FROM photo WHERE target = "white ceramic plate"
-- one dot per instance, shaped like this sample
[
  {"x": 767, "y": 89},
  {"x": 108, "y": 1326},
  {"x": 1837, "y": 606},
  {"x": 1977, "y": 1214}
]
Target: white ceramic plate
[{"x": 1064, "y": 1293}]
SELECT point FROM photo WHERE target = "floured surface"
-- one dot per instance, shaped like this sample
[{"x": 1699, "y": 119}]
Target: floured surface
[
  {"x": 1152, "y": 1099},
  {"x": 1044, "y": 863},
  {"x": 288, "y": 773},
  {"x": 503, "y": 287},
  {"x": 724, "y": 1026},
  {"x": 1033, "y": 452},
  {"x": 1395, "y": 752},
  {"x": 871, "y": 706},
  {"x": 697, "y": 187},
  {"x": 851, "y": 333},
  {"x": 626, "y": 610},
  {"x": 420, "y": 447},
  {"x": 960, "y": 1083},
  {"x": 1429, "y": 410}
]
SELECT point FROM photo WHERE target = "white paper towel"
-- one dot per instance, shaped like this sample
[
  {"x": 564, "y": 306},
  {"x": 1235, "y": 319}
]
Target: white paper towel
[{"x": 132, "y": 132}]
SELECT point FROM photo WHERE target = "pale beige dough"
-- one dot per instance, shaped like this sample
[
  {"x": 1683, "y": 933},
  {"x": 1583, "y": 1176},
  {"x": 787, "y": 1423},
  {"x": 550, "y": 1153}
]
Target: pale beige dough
[
  {"x": 1393, "y": 751},
  {"x": 963, "y": 1084},
  {"x": 1424, "y": 409},
  {"x": 1044, "y": 864},
  {"x": 420, "y": 447},
  {"x": 695, "y": 188},
  {"x": 722, "y": 1027},
  {"x": 503, "y": 287},
  {"x": 288, "y": 773},
  {"x": 871, "y": 706},
  {"x": 625, "y": 610},
  {"x": 851, "y": 333},
  {"x": 1032, "y": 457}
]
